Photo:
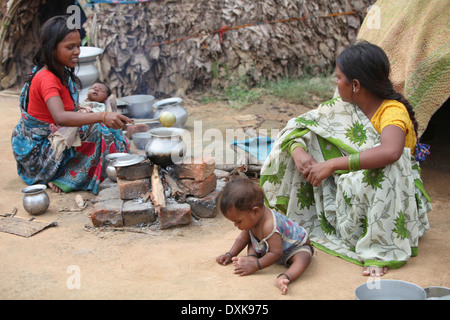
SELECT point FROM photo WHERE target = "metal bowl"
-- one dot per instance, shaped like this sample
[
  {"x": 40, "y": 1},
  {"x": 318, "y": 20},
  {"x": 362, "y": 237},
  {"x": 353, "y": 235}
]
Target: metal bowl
[
  {"x": 437, "y": 293},
  {"x": 140, "y": 139},
  {"x": 139, "y": 106},
  {"x": 389, "y": 290}
]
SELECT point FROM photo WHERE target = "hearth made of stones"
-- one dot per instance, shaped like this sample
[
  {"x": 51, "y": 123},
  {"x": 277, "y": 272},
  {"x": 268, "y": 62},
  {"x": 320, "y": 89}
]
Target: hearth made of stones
[{"x": 190, "y": 188}]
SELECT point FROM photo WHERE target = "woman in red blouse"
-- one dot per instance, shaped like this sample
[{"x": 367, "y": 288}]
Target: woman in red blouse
[{"x": 48, "y": 101}]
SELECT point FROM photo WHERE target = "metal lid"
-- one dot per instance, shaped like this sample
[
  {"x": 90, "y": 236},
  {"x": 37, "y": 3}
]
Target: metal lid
[
  {"x": 128, "y": 160},
  {"x": 167, "y": 102}
]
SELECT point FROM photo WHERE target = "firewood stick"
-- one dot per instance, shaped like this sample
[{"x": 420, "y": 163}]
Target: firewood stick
[
  {"x": 176, "y": 191},
  {"x": 157, "y": 193}
]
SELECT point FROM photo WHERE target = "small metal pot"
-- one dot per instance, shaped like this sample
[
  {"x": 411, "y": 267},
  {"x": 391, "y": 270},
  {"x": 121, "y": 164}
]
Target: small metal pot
[
  {"x": 139, "y": 106},
  {"x": 35, "y": 200},
  {"x": 111, "y": 172}
]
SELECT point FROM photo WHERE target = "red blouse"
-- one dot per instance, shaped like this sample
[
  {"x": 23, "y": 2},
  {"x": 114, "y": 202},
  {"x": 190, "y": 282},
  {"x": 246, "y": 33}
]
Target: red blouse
[{"x": 44, "y": 86}]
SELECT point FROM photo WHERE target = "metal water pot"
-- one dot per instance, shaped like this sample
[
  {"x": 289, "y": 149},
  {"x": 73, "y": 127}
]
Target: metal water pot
[
  {"x": 166, "y": 146},
  {"x": 35, "y": 200},
  {"x": 172, "y": 105}
]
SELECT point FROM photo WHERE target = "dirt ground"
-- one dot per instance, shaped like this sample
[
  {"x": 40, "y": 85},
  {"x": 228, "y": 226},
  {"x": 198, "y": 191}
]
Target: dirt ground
[{"x": 76, "y": 261}]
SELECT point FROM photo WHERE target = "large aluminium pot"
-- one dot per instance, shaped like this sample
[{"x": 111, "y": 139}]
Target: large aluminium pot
[
  {"x": 166, "y": 146},
  {"x": 139, "y": 106}
]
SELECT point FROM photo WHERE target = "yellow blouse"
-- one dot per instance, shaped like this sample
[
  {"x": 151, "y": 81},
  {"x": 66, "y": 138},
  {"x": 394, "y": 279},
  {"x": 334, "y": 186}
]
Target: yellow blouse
[{"x": 392, "y": 112}]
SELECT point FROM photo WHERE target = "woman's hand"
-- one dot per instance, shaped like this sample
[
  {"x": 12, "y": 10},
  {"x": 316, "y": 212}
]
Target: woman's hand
[
  {"x": 319, "y": 171},
  {"x": 115, "y": 120},
  {"x": 303, "y": 161}
]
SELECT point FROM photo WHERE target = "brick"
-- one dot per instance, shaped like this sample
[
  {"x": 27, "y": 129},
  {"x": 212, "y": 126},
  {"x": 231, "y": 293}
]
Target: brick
[
  {"x": 138, "y": 171},
  {"x": 132, "y": 189},
  {"x": 108, "y": 193},
  {"x": 174, "y": 214},
  {"x": 136, "y": 212},
  {"x": 107, "y": 213},
  {"x": 206, "y": 207},
  {"x": 107, "y": 183},
  {"x": 197, "y": 168},
  {"x": 200, "y": 189}
]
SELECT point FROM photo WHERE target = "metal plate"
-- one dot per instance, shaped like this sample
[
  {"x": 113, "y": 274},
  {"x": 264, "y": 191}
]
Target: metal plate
[{"x": 128, "y": 160}]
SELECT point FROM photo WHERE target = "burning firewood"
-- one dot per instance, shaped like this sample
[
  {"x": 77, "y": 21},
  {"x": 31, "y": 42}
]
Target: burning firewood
[{"x": 157, "y": 192}]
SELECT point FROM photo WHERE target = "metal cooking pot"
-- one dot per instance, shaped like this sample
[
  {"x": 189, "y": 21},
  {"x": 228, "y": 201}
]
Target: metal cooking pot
[
  {"x": 139, "y": 106},
  {"x": 389, "y": 290},
  {"x": 172, "y": 105},
  {"x": 166, "y": 146},
  {"x": 111, "y": 172}
]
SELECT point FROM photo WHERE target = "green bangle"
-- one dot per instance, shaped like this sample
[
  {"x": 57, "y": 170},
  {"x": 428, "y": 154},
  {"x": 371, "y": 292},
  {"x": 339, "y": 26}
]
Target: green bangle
[{"x": 353, "y": 162}]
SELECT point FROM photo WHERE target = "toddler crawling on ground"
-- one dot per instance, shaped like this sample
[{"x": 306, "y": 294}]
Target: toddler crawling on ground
[{"x": 270, "y": 237}]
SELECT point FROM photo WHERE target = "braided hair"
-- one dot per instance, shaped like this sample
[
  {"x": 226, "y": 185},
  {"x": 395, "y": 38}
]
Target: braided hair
[{"x": 370, "y": 65}]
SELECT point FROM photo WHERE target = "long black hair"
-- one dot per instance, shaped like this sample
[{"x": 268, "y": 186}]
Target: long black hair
[
  {"x": 370, "y": 65},
  {"x": 53, "y": 31}
]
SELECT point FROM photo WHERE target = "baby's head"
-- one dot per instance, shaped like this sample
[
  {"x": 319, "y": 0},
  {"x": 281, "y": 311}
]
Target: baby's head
[
  {"x": 99, "y": 92},
  {"x": 241, "y": 196}
]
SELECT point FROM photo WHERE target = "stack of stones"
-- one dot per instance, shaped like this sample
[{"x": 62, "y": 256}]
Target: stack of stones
[{"x": 127, "y": 202}]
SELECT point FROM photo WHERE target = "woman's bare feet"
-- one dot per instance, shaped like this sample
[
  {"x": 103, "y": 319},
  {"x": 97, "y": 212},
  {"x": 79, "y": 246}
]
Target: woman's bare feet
[
  {"x": 54, "y": 187},
  {"x": 282, "y": 283},
  {"x": 374, "y": 271}
]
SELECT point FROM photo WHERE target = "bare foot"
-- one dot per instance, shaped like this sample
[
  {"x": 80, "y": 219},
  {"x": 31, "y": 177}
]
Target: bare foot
[
  {"x": 374, "y": 271},
  {"x": 54, "y": 187},
  {"x": 282, "y": 283},
  {"x": 242, "y": 260}
]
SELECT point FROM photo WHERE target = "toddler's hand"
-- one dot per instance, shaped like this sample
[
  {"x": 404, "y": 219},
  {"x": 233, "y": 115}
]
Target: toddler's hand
[{"x": 224, "y": 259}]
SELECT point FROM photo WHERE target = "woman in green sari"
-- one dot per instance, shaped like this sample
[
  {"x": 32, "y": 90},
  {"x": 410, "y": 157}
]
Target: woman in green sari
[{"x": 346, "y": 171}]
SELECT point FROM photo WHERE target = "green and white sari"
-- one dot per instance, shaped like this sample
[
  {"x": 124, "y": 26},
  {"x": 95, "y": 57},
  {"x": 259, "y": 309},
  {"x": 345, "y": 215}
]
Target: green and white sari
[{"x": 368, "y": 217}]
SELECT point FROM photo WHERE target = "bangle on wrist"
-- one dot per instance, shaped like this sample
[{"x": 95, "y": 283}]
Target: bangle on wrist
[
  {"x": 103, "y": 117},
  {"x": 259, "y": 265},
  {"x": 229, "y": 253},
  {"x": 353, "y": 162}
]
